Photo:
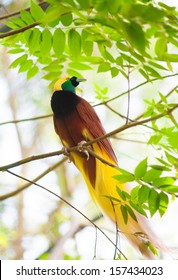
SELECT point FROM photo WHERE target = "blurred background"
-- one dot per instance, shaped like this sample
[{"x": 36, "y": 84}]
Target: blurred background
[{"x": 35, "y": 224}]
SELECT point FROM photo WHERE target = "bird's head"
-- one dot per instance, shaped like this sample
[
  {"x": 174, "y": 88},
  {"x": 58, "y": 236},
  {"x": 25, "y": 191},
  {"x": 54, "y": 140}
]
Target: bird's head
[{"x": 68, "y": 83}]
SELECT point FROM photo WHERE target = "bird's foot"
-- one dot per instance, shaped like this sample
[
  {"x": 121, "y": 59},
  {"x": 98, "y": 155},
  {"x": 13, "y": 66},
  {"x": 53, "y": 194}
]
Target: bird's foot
[
  {"x": 66, "y": 152},
  {"x": 82, "y": 149}
]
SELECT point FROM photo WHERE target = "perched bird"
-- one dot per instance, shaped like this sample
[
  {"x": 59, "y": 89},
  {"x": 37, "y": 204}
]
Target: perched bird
[{"x": 75, "y": 121}]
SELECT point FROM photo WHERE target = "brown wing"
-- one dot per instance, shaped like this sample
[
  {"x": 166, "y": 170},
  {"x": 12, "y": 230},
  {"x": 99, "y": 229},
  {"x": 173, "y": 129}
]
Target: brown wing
[{"x": 93, "y": 124}]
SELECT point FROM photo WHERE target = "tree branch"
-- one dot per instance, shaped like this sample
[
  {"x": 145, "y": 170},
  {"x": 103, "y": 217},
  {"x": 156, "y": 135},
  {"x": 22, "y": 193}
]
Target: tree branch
[
  {"x": 103, "y": 103},
  {"x": 76, "y": 148},
  {"x": 69, "y": 204},
  {"x": 43, "y": 5},
  {"x": 27, "y": 119},
  {"x": 54, "y": 166},
  {"x": 131, "y": 124},
  {"x": 136, "y": 87},
  {"x": 20, "y": 30}
]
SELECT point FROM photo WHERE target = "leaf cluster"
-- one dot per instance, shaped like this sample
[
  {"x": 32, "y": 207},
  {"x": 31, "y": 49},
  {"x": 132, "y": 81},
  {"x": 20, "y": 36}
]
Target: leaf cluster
[
  {"x": 108, "y": 36},
  {"x": 152, "y": 192}
]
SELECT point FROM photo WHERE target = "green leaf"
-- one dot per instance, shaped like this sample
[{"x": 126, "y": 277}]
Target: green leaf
[
  {"x": 134, "y": 193},
  {"x": 124, "y": 213},
  {"x": 32, "y": 72},
  {"x": 151, "y": 175},
  {"x": 173, "y": 140},
  {"x": 52, "y": 75},
  {"x": 163, "y": 181},
  {"x": 123, "y": 178},
  {"x": 26, "y": 17},
  {"x": 144, "y": 74},
  {"x": 159, "y": 66},
  {"x": 91, "y": 59},
  {"x": 86, "y": 45},
  {"x": 114, "y": 72},
  {"x": 113, "y": 6},
  {"x": 143, "y": 194},
  {"x": 135, "y": 35},
  {"x": 26, "y": 65},
  {"x": 137, "y": 208},
  {"x": 161, "y": 47},
  {"x": 141, "y": 168},
  {"x": 72, "y": 72},
  {"x": 66, "y": 20},
  {"x": 16, "y": 50},
  {"x": 121, "y": 193},
  {"x": 80, "y": 66},
  {"x": 74, "y": 43},
  {"x": 170, "y": 189},
  {"x": 12, "y": 25},
  {"x": 119, "y": 60},
  {"x": 131, "y": 212},
  {"x": 113, "y": 198},
  {"x": 172, "y": 159},
  {"x": 46, "y": 42},
  {"x": 122, "y": 46},
  {"x": 18, "y": 61},
  {"x": 36, "y": 11},
  {"x": 84, "y": 4},
  {"x": 151, "y": 71},
  {"x": 58, "y": 42},
  {"x": 153, "y": 201},
  {"x": 163, "y": 203},
  {"x": 34, "y": 40},
  {"x": 18, "y": 21},
  {"x": 171, "y": 57},
  {"x": 104, "y": 67}
]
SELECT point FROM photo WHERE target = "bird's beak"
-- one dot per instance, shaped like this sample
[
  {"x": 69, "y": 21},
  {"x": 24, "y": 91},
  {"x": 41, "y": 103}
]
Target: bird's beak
[{"x": 79, "y": 80}]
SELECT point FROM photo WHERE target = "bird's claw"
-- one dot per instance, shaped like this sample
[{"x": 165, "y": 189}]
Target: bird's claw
[
  {"x": 82, "y": 149},
  {"x": 66, "y": 152}
]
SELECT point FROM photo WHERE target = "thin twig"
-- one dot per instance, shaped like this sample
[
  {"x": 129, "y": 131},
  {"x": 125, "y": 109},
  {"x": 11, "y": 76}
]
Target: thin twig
[
  {"x": 52, "y": 167},
  {"x": 76, "y": 148},
  {"x": 18, "y": 12},
  {"x": 103, "y": 103},
  {"x": 128, "y": 95},
  {"x": 136, "y": 87},
  {"x": 69, "y": 204},
  {"x": 96, "y": 237},
  {"x": 131, "y": 124},
  {"x": 20, "y": 30},
  {"x": 117, "y": 232},
  {"x": 27, "y": 119}
]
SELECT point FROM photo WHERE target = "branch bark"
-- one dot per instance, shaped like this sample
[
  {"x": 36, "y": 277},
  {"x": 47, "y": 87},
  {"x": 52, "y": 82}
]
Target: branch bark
[{"x": 76, "y": 148}]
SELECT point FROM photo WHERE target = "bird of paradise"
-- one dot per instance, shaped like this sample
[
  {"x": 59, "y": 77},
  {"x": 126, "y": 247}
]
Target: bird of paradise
[{"x": 75, "y": 121}]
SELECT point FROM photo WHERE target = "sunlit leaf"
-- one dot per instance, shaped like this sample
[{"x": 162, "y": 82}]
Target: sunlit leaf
[
  {"x": 58, "y": 42},
  {"x": 141, "y": 168},
  {"x": 153, "y": 201},
  {"x": 163, "y": 203},
  {"x": 124, "y": 213},
  {"x": 36, "y": 11},
  {"x": 143, "y": 194},
  {"x": 74, "y": 43}
]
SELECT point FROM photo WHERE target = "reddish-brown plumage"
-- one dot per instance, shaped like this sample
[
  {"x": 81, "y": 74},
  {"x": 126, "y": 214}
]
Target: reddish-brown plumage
[
  {"x": 75, "y": 120},
  {"x": 70, "y": 127}
]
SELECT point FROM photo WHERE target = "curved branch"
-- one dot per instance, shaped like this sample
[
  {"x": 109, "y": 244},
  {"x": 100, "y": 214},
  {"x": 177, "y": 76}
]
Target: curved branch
[
  {"x": 43, "y": 5},
  {"x": 69, "y": 204},
  {"x": 8, "y": 195},
  {"x": 27, "y": 119},
  {"x": 20, "y": 30},
  {"x": 76, "y": 148},
  {"x": 131, "y": 124},
  {"x": 99, "y": 104},
  {"x": 136, "y": 87}
]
